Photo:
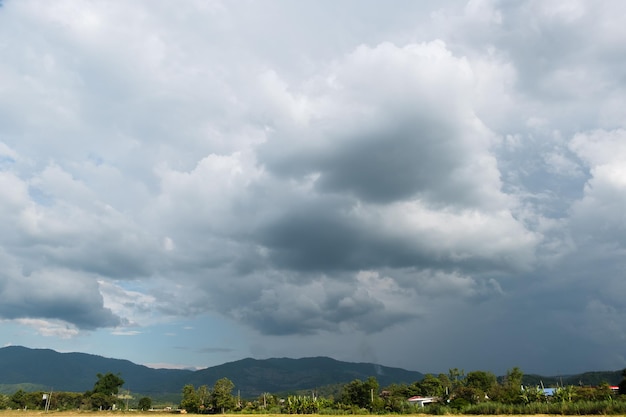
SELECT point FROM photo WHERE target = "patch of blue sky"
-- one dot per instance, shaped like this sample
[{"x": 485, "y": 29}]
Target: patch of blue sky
[
  {"x": 40, "y": 197},
  {"x": 97, "y": 160},
  {"x": 6, "y": 160},
  {"x": 194, "y": 343}
]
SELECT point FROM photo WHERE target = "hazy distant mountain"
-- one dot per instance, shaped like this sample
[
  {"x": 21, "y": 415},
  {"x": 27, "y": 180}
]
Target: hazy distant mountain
[
  {"x": 77, "y": 372},
  {"x": 586, "y": 379}
]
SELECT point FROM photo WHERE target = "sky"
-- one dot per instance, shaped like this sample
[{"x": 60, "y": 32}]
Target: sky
[{"x": 425, "y": 185}]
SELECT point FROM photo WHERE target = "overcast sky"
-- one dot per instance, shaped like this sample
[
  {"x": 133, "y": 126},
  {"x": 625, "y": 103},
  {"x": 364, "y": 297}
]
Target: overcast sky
[{"x": 420, "y": 184}]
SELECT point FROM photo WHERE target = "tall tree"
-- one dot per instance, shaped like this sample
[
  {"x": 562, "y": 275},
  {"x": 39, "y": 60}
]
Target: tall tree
[
  {"x": 105, "y": 390},
  {"x": 18, "y": 399},
  {"x": 108, "y": 384},
  {"x": 204, "y": 396},
  {"x": 221, "y": 397},
  {"x": 360, "y": 393},
  {"x": 190, "y": 401},
  {"x": 431, "y": 386},
  {"x": 477, "y": 386},
  {"x": 511, "y": 391},
  {"x": 456, "y": 377},
  {"x": 513, "y": 379},
  {"x": 482, "y": 381}
]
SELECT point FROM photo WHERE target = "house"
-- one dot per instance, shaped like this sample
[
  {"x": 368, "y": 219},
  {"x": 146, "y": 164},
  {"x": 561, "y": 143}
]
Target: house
[{"x": 421, "y": 401}]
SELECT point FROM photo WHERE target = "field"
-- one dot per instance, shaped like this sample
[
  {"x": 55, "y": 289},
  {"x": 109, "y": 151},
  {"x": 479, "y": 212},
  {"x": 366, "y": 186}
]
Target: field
[{"x": 39, "y": 413}]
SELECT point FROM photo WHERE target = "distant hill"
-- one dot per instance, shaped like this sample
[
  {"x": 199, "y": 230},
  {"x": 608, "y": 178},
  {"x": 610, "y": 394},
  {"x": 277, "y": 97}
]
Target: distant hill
[
  {"x": 76, "y": 372},
  {"x": 585, "y": 379},
  {"x": 253, "y": 377},
  {"x": 39, "y": 369}
]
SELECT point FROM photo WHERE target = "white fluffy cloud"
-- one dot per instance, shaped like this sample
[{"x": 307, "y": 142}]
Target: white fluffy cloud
[{"x": 600, "y": 213}]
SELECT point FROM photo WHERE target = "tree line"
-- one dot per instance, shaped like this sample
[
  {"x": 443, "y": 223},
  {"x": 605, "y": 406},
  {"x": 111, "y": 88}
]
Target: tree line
[
  {"x": 103, "y": 396},
  {"x": 477, "y": 392}
]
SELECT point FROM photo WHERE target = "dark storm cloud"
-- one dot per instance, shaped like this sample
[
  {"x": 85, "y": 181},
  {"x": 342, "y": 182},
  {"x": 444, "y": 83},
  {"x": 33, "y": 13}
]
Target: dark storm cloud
[
  {"x": 388, "y": 164},
  {"x": 58, "y": 297},
  {"x": 391, "y": 165},
  {"x": 384, "y": 145},
  {"x": 117, "y": 258},
  {"x": 313, "y": 237},
  {"x": 318, "y": 234},
  {"x": 324, "y": 304}
]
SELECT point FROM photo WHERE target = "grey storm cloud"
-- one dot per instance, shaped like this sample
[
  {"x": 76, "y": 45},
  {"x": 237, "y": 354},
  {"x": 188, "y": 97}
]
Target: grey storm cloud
[
  {"x": 367, "y": 302},
  {"x": 55, "y": 294},
  {"x": 390, "y": 133},
  {"x": 381, "y": 166}
]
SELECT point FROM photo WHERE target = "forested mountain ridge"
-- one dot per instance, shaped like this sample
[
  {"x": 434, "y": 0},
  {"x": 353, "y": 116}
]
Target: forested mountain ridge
[
  {"x": 254, "y": 376},
  {"x": 76, "y": 372}
]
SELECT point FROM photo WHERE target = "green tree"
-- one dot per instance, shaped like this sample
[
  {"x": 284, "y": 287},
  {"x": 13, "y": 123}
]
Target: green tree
[
  {"x": 481, "y": 381},
  {"x": 190, "y": 401},
  {"x": 446, "y": 385},
  {"x": 204, "y": 397},
  {"x": 456, "y": 377},
  {"x": 511, "y": 390},
  {"x": 431, "y": 386},
  {"x": 101, "y": 401},
  {"x": 145, "y": 403},
  {"x": 65, "y": 400},
  {"x": 468, "y": 395},
  {"x": 513, "y": 379},
  {"x": 222, "y": 399},
  {"x": 18, "y": 399},
  {"x": 105, "y": 390},
  {"x": 361, "y": 393},
  {"x": 108, "y": 384},
  {"x": 4, "y": 401}
]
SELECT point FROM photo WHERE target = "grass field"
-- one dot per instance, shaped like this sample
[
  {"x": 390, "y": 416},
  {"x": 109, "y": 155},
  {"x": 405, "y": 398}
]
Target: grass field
[{"x": 39, "y": 413}]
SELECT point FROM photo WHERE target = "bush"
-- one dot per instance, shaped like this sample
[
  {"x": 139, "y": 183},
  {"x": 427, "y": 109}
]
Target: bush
[
  {"x": 459, "y": 404},
  {"x": 145, "y": 403}
]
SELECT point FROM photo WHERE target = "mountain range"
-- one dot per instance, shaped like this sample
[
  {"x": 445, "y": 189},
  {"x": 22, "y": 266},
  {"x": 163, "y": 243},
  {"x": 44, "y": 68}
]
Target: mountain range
[
  {"x": 45, "y": 369},
  {"x": 76, "y": 372}
]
